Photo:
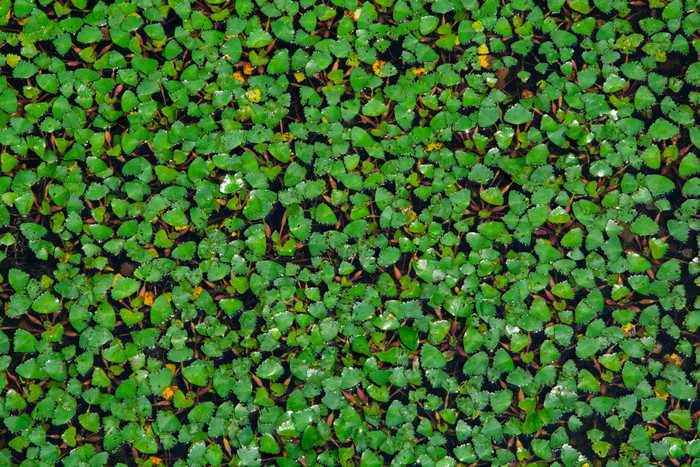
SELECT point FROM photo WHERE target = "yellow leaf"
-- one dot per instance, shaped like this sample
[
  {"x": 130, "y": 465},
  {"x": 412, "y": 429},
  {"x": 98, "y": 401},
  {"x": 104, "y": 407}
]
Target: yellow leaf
[
  {"x": 196, "y": 292},
  {"x": 148, "y": 299},
  {"x": 13, "y": 60},
  {"x": 156, "y": 460},
  {"x": 169, "y": 392},
  {"x": 627, "y": 328},
  {"x": 664, "y": 396},
  {"x": 483, "y": 49},
  {"x": 352, "y": 61},
  {"x": 248, "y": 69},
  {"x": 253, "y": 95},
  {"x": 377, "y": 67},
  {"x": 484, "y": 61},
  {"x": 171, "y": 367}
]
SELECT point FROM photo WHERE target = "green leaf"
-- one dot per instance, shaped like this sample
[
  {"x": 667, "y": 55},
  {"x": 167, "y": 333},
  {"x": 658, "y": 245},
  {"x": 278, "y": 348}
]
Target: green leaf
[
  {"x": 488, "y": 115},
  {"x": 632, "y": 375},
  {"x": 559, "y": 216},
  {"x": 517, "y": 115},
  {"x": 161, "y": 310},
  {"x": 46, "y": 303},
  {"x": 18, "y": 279},
  {"x": 477, "y": 364},
  {"x": 652, "y": 408},
  {"x": 124, "y": 287},
  {"x": 563, "y": 290},
  {"x": 692, "y": 74},
  {"x": 360, "y": 138},
  {"x": 8, "y": 102},
  {"x": 90, "y": 421},
  {"x": 644, "y": 98},
  {"x": 146, "y": 444},
  {"x": 197, "y": 373},
  {"x": 689, "y": 165},
  {"x": 356, "y": 228},
  {"x": 614, "y": 83},
  {"x": 268, "y": 445},
  {"x": 492, "y": 196},
  {"x": 279, "y": 63},
  {"x": 501, "y": 400},
  {"x": 374, "y": 108},
  {"x": 659, "y": 185},
  {"x": 431, "y": 357},
  {"x": 639, "y": 439},
  {"x": 644, "y": 225},
  {"x": 669, "y": 271},
  {"x": 581, "y": 6},
  {"x": 89, "y": 34},
  {"x": 270, "y": 369},
  {"x": 587, "y": 347},
  {"x": 573, "y": 238},
  {"x": 24, "y": 70},
  {"x": 388, "y": 256},
  {"x": 681, "y": 418},
  {"x": 409, "y": 337},
  {"x": 662, "y": 129},
  {"x": 258, "y": 38},
  {"x": 325, "y": 215},
  {"x": 682, "y": 390},
  {"x": 24, "y": 342},
  {"x": 167, "y": 422}
]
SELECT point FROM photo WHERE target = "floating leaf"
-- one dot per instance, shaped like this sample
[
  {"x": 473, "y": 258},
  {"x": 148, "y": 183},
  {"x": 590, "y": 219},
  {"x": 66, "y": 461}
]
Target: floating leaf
[
  {"x": 124, "y": 287},
  {"x": 662, "y": 129},
  {"x": 517, "y": 115},
  {"x": 46, "y": 303}
]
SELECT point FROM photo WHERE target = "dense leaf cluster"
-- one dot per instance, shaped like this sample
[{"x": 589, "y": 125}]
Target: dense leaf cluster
[{"x": 349, "y": 233}]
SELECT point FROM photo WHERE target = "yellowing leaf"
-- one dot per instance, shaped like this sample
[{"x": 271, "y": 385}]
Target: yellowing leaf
[
  {"x": 13, "y": 60},
  {"x": 169, "y": 392},
  {"x": 484, "y": 61},
  {"x": 664, "y": 396},
  {"x": 377, "y": 67},
  {"x": 253, "y": 95},
  {"x": 196, "y": 292},
  {"x": 483, "y": 49},
  {"x": 148, "y": 299},
  {"x": 156, "y": 460},
  {"x": 248, "y": 69},
  {"x": 627, "y": 328}
]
